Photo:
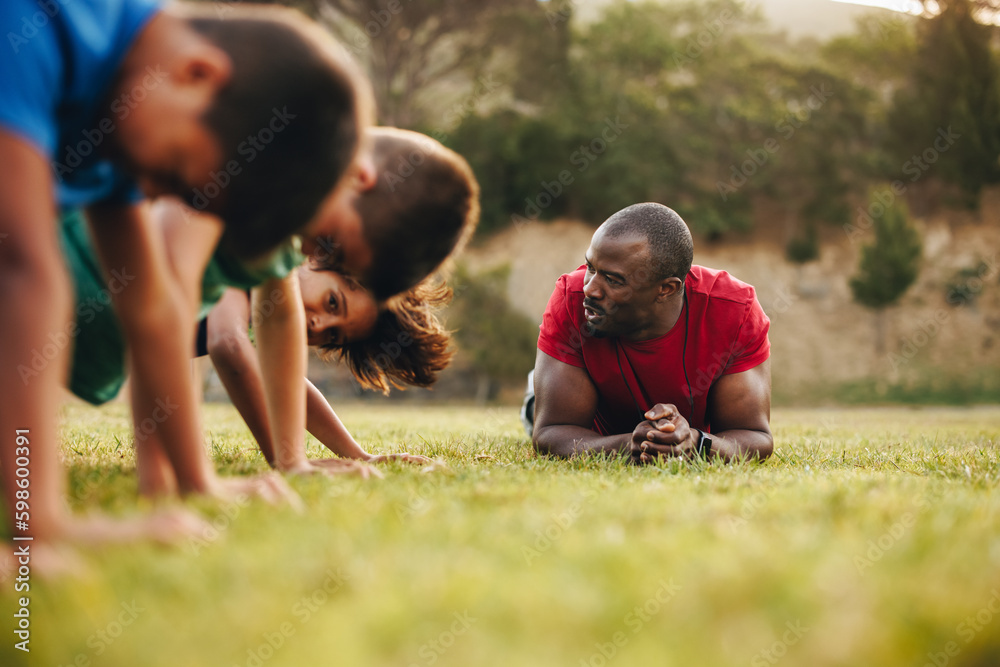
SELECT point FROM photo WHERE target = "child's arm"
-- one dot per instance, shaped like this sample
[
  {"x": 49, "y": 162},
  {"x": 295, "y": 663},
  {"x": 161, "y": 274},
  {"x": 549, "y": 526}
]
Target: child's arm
[
  {"x": 158, "y": 324},
  {"x": 239, "y": 369},
  {"x": 235, "y": 360},
  {"x": 35, "y": 310},
  {"x": 280, "y": 329},
  {"x": 324, "y": 423},
  {"x": 32, "y": 273},
  {"x": 164, "y": 260}
]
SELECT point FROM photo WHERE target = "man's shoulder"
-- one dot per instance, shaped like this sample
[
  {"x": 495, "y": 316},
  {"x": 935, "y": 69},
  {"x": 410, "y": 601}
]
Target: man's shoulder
[
  {"x": 573, "y": 281},
  {"x": 569, "y": 286},
  {"x": 719, "y": 285}
]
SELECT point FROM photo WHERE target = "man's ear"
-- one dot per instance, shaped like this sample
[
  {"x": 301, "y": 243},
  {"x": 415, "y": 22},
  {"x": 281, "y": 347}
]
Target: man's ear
[{"x": 668, "y": 288}]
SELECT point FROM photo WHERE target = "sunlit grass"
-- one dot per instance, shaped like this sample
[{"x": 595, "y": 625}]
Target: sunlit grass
[{"x": 868, "y": 539}]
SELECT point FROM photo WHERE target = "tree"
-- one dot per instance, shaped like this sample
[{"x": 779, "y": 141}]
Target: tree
[
  {"x": 953, "y": 92},
  {"x": 888, "y": 266},
  {"x": 412, "y": 49},
  {"x": 803, "y": 248},
  {"x": 986, "y": 12}
]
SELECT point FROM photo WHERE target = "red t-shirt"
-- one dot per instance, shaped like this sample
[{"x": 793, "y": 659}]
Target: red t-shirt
[{"x": 726, "y": 333}]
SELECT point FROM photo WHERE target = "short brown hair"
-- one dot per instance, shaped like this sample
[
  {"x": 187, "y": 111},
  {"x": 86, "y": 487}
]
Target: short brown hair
[
  {"x": 409, "y": 345},
  {"x": 292, "y": 82},
  {"x": 424, "y": 206}
]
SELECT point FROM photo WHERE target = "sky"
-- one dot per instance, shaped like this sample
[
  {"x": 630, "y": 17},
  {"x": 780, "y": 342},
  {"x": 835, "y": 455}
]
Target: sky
[
  {"x": 801, "y": 18},
  {"x": 814, "y": 18}
]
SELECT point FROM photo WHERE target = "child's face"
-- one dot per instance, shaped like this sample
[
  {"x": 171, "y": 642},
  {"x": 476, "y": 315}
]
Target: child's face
[
  {"x": 338, "y": 309},
  {"x": 338, "y": 226},
  {"x": 161, "y": 137}
]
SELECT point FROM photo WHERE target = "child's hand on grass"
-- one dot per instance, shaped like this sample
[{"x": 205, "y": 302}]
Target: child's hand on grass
[
  {"x": 343, "y": 467},
  {"x": 269, "y": 487},
  {"x": 164, "y": 526},
  {"x": 405, "y": 457}
]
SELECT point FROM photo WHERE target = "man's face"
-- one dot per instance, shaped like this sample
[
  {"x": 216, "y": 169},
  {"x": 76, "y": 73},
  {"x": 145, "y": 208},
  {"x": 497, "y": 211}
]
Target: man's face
[
  {"x": 620, "y": 292},
  {"x": 338, "y": 309}
]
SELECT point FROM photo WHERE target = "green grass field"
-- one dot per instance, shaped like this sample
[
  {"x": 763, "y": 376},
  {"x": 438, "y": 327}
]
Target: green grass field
[{"x": 871, "y": 537}]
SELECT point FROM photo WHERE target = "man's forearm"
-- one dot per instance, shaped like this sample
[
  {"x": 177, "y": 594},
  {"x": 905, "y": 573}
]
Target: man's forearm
[
  {"x": 742, "y": 444},
  {"x": 566, "y": 441}
]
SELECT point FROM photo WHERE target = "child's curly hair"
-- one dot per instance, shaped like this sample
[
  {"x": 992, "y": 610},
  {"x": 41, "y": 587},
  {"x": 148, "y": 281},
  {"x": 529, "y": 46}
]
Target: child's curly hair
[{"x": 409, "y": 345}]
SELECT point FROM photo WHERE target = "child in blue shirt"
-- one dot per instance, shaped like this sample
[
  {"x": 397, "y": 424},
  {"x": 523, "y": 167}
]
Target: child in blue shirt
[{"x": 107, "y": 102}]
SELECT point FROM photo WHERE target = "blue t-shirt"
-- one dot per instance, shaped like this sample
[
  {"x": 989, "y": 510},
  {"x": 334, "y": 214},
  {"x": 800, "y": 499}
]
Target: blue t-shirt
[{"x": 59, "y": 61}]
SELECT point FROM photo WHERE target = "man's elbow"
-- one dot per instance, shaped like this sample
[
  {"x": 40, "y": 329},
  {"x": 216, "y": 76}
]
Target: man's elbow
[
  {"x": 538, "y": 441},
  {"x": 766, "y": 447},
  {"x": 544, "y": 443}
]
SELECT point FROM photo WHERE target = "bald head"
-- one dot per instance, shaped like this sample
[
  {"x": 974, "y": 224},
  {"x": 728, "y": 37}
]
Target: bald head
[{"x": 668, "y": 238}]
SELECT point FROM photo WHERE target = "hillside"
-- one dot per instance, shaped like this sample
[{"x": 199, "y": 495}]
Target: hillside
[
  {"x": 823, "y": 344},
  {"x": 819, "y": 337}
]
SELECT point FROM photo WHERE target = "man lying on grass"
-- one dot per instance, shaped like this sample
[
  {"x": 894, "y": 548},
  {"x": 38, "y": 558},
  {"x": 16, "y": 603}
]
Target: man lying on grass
[{"x": 644, "y": 354}]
